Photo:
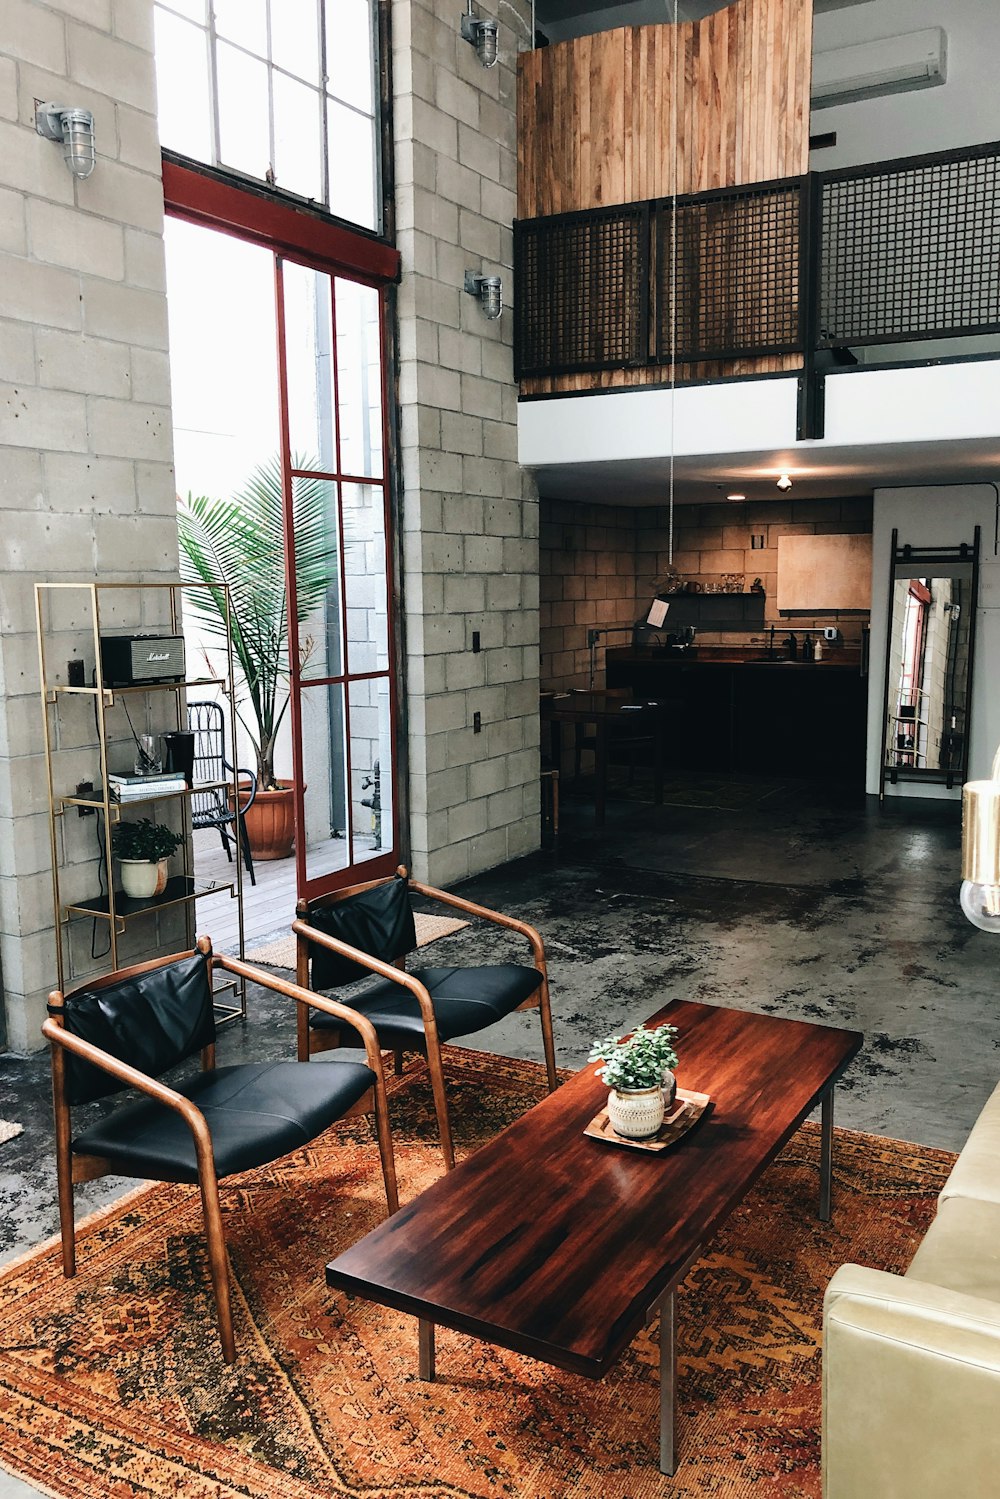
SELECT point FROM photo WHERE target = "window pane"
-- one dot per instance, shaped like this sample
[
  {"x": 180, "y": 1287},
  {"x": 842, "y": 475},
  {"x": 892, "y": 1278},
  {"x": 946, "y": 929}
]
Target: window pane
[
  {"x": 317, "y": 578},
  {"x": 324, "y": 761},
  {"x": 223, "y": 370},
  {"x": 193, "y": 9},
  {"x": 298, "y": 166},
  {"x": 184, "y": 112},
  {"x": 295, "y": 38},
  {"x": 350, "y": 63},
  {"x": 371, "y": 768},
  {"x": 359, "y": 374},
  {"x": 243, "y": 22},
  {"x": 365, "y": 579},
  {"x": 309, "y": 365},
  {"x": 351, "y": 153},
  {"x": 244, "y": 135}
]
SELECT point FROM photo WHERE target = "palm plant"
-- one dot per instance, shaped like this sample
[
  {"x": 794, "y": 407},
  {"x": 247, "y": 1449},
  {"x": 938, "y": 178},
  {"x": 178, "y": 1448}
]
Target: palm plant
[{"x": 240, "y": 542}]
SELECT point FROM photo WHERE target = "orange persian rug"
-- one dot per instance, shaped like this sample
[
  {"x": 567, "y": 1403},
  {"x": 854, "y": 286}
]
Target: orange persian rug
[{"x": 113, "y": 1384}]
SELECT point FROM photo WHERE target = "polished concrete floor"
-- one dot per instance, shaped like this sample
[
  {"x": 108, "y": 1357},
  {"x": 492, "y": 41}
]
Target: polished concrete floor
[{"x": 796, "y": 900}]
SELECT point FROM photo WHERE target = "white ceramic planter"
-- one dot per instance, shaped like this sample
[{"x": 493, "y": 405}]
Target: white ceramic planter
[
  {"x": 142, "y": 879},
  {"x": 636, "y": 1115}
]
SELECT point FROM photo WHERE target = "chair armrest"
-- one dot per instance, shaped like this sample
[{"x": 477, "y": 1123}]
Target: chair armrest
[
  {"x": 343, "y": 1012},
  {"x": 911, "y": 1381},
  {"x": 459, "y": 903},
  {"x": 131, "y": 1076},
  {"x": 248, "y": 775}
]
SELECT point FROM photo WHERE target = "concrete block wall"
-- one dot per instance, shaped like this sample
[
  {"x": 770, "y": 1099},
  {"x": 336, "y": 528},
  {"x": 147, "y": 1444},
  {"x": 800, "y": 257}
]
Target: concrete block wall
[
  {"x": 470, "y": 515},
  {"x": 587, "y": 579},
  {"x": 86, "y": 480}
]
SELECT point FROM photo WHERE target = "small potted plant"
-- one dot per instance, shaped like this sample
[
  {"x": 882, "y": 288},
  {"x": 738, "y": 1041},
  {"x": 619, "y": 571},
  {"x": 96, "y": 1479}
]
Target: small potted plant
[
  {"x": 638, "y": 1070},
  {"x": 142, "y": 849}
]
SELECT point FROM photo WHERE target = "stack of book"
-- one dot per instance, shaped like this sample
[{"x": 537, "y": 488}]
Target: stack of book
[{"x": 126, "y": 788}]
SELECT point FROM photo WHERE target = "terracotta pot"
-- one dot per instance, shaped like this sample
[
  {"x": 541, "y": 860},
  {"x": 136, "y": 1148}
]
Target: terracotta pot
[
  {"x": 270, "y": 823},
  {"x": 143, "y": 878}
]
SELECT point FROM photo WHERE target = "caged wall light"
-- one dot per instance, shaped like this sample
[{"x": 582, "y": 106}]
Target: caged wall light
[
  {"x": 483, "y": 36},
  {"x": 75, "y": 128},
  {"x": 489, "y": 290}
]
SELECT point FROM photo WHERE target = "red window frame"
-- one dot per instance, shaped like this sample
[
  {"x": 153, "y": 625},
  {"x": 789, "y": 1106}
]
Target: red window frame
[{"x": 290, "y": 234}]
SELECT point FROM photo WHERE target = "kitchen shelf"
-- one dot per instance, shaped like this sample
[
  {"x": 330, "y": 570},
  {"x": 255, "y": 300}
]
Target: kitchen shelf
[{"x": 70, "y": 735}]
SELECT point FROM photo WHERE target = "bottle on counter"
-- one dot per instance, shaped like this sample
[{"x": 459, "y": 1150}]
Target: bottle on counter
[{"x": 818, "y": 649}]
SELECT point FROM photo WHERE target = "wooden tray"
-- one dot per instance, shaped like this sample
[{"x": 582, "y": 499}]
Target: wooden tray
[{"x": 685, "y": 1112}]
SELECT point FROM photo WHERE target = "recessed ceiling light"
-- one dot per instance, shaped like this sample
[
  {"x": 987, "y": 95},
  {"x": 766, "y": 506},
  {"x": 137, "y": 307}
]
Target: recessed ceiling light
[
  {"x": 735, "y": 496},
  {"x": 784, "y": 483}
]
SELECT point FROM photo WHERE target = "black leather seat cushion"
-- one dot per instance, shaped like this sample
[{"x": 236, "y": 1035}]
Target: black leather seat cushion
[
  {"x": 255, "y": 1112},
  {"x": 465, "y": 1000}
]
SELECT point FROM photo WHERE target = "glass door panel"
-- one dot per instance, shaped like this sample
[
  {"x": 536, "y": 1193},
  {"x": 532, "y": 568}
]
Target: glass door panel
[
  {"x": 365, "y": 582},
  {"x": 312, "y": 423},
  {"x": 359, "y": 367},
  {"x": 372, "y": 769},
  {"x": 326, "y": 828},
  {"x": 316, "y": 520}
]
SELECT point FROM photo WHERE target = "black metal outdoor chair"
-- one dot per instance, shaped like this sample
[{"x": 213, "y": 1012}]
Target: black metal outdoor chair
[{"x": 212, "y": 808}]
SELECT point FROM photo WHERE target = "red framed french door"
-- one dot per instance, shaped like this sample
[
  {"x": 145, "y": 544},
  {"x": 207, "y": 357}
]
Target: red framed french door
[{"x": 329, "y": 347}]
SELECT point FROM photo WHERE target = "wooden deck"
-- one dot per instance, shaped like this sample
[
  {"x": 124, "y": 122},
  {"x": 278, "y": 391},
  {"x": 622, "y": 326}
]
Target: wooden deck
[{"x": 268, "y": 906}]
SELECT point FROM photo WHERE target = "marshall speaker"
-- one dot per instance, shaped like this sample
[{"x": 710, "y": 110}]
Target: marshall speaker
[{"x": 138, "y": 660}]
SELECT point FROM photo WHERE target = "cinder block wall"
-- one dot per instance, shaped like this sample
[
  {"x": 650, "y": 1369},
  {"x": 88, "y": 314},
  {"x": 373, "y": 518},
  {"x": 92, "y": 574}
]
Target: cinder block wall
[
  {"x": 86, "y": 482},
  {"x": 588, "y": 567},
  {"x": 470, "y": 515}
]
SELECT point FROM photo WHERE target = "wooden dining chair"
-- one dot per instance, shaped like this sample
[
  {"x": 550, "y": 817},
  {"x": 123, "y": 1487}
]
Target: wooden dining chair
[
  {"x": 123, "y": 1030},
  {"x": 368, "y": 931}
]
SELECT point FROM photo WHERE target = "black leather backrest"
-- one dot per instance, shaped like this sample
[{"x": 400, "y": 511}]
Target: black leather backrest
[
  {"x": 378, "y": 921},
  {"x": 150, "y": 1021}
]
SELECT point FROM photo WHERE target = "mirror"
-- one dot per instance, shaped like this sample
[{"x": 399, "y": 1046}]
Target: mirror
[{"x": 929, "y": 664}]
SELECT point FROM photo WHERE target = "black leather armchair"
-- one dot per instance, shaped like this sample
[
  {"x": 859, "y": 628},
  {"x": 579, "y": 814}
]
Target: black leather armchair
[
  {"x": 368, "y": 930},
  {"x": 127, "y": 1027}
]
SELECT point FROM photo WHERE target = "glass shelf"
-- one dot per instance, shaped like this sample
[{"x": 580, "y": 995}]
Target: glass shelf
[
  {"x": 96, "y": 803},
  {"x": 179, "y": 888},
  {"x": 64, "y": 690}
]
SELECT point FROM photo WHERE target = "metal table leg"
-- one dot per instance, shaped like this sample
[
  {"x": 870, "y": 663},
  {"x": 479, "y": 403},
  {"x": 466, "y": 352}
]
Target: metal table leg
[
  {"x": 425, "y": 1343},
  {"x": 826, "y": 1155},
  {"x": 668, "y": 1383}
]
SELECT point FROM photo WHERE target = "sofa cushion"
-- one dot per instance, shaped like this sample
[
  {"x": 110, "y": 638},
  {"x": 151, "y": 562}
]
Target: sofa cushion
[
  {"x": 961, "y": 1249},
  {"x": 976, "y": 1173}
]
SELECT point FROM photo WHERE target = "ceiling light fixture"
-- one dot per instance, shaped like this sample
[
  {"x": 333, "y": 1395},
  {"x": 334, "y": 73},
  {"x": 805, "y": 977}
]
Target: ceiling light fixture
[
  {"x": 784, "y": 483},
  {"x": 483, "y": 36},
  {"x": 75, "y": 128},
  {"x": 489, "y": 290}
]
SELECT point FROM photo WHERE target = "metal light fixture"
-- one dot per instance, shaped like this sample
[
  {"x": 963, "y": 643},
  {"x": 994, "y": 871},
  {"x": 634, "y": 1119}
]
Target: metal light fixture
[
  {"x": 75, "y": 128},
  {"x": 489, "y": 290},
  {"x": 483, "y": 36},
  {"x": 784, "y": 483},
  {"x": 980, "y": 895}
]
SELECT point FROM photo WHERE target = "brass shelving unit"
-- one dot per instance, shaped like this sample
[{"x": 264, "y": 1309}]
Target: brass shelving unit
[{"x": 108, "y": 905}]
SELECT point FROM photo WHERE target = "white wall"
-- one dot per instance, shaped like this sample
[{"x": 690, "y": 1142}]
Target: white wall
[
  {"x": 964, "y": 111},
  {"x": 938, "y": 516}
]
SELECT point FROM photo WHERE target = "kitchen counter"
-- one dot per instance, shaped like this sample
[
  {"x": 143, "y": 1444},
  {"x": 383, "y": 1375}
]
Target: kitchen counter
[{"x": 733, "y": 710}]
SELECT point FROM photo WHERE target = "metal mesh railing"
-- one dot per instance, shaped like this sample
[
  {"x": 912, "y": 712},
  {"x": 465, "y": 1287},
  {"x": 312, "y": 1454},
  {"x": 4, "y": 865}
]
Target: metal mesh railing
[
  {"x": 582, "y": 291},
  {"x": 736, "y": 276},
  {"x": 911, "y": 250}
]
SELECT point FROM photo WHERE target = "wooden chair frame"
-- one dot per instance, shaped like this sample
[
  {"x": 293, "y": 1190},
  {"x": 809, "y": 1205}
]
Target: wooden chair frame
[
  {"x": 310, "y": 1041},
  {"x": 72, "y": 1168}
]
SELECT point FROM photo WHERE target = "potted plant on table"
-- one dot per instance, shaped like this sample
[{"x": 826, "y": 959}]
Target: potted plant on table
[
  {"x": 638, "y": 1070},
  {"x": 142, "y": 849},
  {"x": 240, "y": 542}
]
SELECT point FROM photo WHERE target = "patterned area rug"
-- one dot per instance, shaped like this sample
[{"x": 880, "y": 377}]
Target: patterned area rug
[
  {"x": 113, "y": 1384},
  {"x": 281, "y": 952}
]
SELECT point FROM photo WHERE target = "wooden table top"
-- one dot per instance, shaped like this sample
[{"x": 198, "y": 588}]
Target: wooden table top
[{"x": 556, "y": 1245}]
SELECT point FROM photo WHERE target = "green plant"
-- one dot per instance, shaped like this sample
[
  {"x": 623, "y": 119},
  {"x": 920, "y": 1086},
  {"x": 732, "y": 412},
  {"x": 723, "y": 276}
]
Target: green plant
[
  {"x": 146, "y": 840},
  {"x": 240, "y": 542},
  {"x": 635, "y": 1061}
]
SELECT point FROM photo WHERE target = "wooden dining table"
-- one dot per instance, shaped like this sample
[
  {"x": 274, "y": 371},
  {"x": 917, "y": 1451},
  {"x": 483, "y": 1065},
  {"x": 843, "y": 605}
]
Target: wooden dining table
[{"x": 613, "y": 715}]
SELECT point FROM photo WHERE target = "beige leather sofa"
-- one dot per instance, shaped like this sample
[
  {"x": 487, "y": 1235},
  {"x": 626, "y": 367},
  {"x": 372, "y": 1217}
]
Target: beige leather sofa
[{"x": 911, "y": 1363}]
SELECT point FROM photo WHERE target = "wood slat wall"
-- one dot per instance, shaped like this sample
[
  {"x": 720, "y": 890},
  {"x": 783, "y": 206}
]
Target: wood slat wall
[{"x": 595, "y": 123}]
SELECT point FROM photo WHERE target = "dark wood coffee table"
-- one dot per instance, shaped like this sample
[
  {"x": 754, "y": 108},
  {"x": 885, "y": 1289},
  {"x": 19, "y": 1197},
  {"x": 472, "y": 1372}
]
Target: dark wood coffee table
[{"x": 561, "y": 1246}]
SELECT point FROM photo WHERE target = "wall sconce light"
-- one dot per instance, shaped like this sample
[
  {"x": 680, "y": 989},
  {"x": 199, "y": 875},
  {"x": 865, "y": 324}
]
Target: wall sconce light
[
  {"x": 489, "y": 290},
  {"x": 980, "y": 895},
  {"x": 483, "y": 36},
  {"x": 75, "y": 128},
  {"x": 784, "y": 483}
]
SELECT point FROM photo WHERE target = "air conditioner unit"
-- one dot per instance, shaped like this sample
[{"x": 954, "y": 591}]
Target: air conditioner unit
[{"x": 890, "y": 66}]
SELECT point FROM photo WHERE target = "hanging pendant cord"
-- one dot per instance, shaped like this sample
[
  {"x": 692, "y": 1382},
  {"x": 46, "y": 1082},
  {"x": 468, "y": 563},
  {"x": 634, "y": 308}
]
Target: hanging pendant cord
[{"x": 674, "y": 97}]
